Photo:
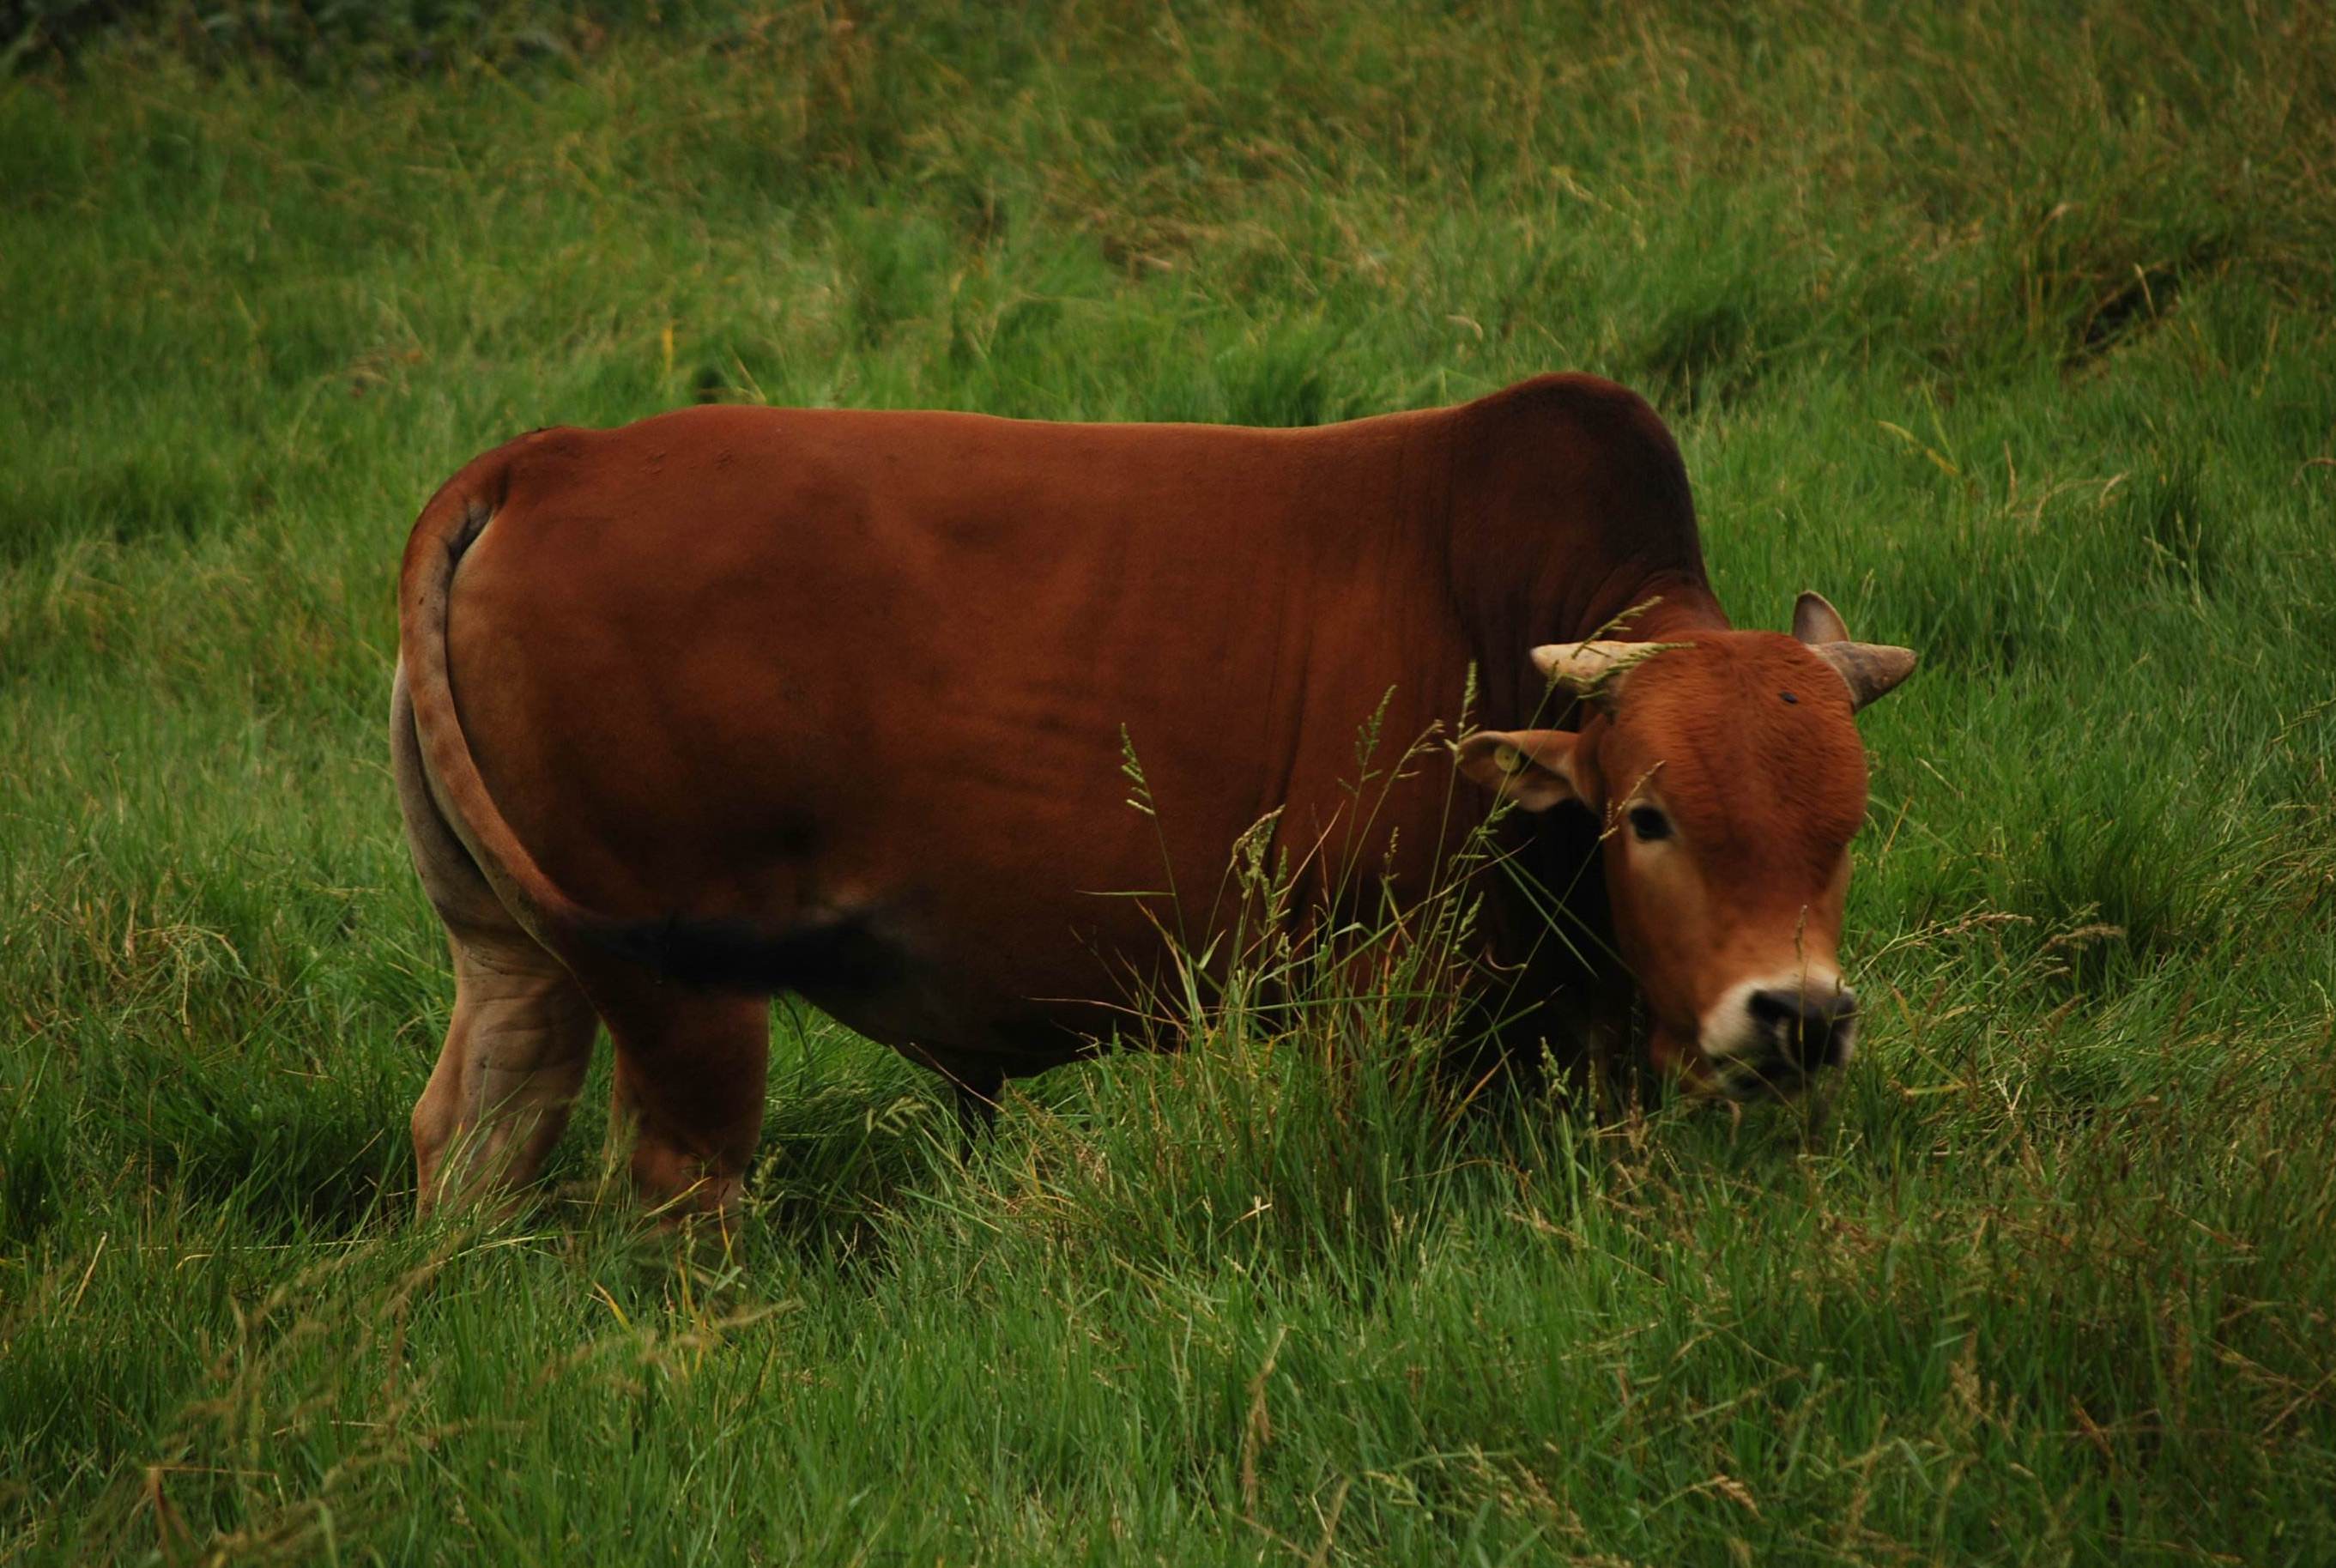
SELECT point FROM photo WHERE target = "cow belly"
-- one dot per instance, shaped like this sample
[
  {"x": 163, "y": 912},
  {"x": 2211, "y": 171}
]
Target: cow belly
[
  {"x": 926, "y": 1017},
  {"x": 1011, "y": 972}
]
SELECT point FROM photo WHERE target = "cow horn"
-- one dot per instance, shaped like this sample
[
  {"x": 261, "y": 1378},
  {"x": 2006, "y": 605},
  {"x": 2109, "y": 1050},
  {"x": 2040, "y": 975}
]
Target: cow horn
[
  {"x": 1868, "y": 668},
  {"x": 1593, "y": 669}
]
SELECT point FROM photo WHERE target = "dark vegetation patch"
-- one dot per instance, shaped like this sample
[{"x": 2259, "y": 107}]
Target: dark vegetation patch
[
  {"x": 316, "y": 1165},
  {"x": 2107, "y": 902},
  {"x": 124, "y": 500},
  {"x": 1285, "y": 380},
  {"x": 1981, "y": 606},
  {"x": 321, "y": 40},
  {"x": 34, "y": 1162},
  {"x": 2187, "y": 537},
  {"x": 1704, "y": 354},
  {"x": 2093, "y": 277}
]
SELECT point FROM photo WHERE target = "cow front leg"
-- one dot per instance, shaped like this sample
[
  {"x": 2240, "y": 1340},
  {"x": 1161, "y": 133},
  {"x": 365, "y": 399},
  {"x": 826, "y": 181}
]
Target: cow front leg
[{"x": 975, "y": 1090}]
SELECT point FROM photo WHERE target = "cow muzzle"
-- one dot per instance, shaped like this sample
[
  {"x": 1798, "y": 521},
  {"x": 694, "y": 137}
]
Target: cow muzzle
[{"x": 1771, "y": 1037}]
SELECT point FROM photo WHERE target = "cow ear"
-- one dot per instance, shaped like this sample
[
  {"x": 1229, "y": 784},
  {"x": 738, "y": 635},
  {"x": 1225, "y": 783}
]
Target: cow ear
[
  {"x": 1814, "y": 620},
  {"x": 1534, "y": 768}
]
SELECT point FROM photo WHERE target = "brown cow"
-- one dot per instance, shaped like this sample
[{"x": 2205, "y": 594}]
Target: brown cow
[{"x": 741, "y": 700}]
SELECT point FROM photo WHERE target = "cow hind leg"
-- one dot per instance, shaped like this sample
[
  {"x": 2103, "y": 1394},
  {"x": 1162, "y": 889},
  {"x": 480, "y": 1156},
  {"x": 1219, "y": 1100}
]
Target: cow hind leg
[{"x": 515, "y": 1055}]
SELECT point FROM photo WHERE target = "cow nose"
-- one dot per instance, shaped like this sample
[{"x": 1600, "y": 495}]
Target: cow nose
[{"x": 1808, "y": 1031}]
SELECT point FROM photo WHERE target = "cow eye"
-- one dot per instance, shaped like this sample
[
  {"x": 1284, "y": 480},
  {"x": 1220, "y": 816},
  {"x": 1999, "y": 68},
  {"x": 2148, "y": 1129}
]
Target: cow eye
[{"x": 1648, "y": 824}]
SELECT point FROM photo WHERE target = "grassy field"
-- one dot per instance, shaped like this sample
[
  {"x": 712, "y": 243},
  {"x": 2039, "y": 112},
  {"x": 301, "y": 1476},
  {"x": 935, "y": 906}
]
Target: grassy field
[{"x": 2013, "y": 330}]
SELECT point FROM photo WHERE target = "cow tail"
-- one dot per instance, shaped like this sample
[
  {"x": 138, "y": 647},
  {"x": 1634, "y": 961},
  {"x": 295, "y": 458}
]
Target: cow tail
[{"x": 448, "y": 526}]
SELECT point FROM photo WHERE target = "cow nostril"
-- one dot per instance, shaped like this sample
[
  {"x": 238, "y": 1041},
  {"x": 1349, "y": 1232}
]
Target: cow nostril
[{"x": 1807, "y": 1030}]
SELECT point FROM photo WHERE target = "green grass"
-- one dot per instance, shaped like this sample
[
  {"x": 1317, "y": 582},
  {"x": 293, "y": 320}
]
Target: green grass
[{"x": 2013, "y": 329}]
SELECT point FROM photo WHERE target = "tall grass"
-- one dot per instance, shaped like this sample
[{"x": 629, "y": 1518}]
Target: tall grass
[{"x": 2008, "y": 326}]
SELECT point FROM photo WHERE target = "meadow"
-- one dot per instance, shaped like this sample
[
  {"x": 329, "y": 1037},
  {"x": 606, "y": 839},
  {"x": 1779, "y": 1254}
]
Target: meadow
[{"x": 2010, "y": 327}]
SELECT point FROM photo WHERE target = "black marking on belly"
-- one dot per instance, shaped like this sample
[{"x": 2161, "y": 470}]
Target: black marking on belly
[{"x": 836, "y": 954}]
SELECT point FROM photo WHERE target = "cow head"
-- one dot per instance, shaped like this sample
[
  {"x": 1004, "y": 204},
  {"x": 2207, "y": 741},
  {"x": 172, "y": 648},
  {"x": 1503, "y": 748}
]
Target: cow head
[{"x": 1730, "y": 779}]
